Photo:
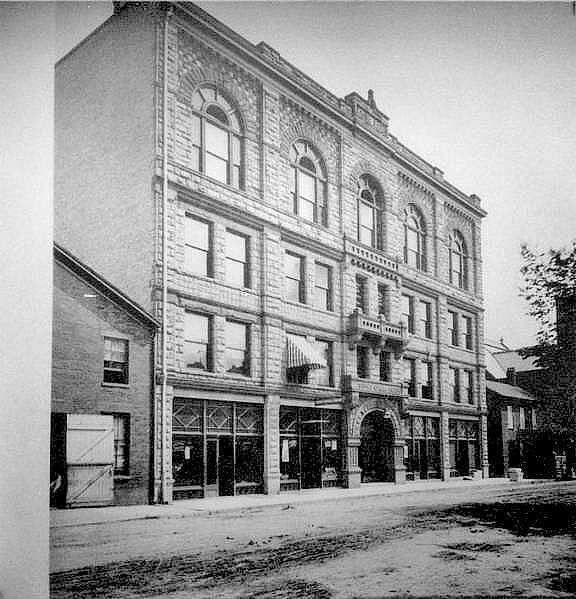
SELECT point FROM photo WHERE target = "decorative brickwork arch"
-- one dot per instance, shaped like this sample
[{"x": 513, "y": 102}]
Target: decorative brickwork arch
[{"x": 374, "y": 404}]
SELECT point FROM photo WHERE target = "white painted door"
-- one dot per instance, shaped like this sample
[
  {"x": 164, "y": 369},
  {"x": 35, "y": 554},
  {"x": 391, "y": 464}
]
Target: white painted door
[{"x": 90, "y": 460}]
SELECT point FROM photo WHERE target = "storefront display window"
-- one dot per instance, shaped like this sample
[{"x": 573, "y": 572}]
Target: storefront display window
[
  {"x": 310, "y": 451},
  {"x": 423, "y": 448},
  {"x": 464, "y": 454},
  {"x": 217, "y": 448}
]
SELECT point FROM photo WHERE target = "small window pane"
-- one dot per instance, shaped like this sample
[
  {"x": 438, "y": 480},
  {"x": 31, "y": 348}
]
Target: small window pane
[
  {"x": 217, "y": 168},
  {"x": 306, "y": 210},
  {"x": 196, "y": 261},
  {"x": 216, "y": 141},
  {"x": 236, "y": 335},
  {"x": 196, "y": 327},
  {"x": 195, "y": 130},
  {"x": 235, "y": 273},
  {"x": 292, "y": 266},
  {"x": 218, "y": 114},
  {"x": 236, "y": 246},
  {"x": 366, "y": 216},
  {"x": 197, "y": 233},
  {"x": 307, "y": 188}
]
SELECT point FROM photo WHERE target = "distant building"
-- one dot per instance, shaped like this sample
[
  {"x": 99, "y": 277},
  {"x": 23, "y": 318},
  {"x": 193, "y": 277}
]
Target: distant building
[
  {"x": 512, "y": 414},
  {"x": 102, "y": 390},
  {"x": 319, "y": 284}
]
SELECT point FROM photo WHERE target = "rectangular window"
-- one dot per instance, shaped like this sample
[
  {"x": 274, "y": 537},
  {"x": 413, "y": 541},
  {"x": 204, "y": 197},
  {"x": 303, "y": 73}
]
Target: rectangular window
[
  {"x": 115, "y": 361},
  {"x": 237, "y": 354},
  {"x": 522, "y": 418},
  {"x": 362, "y": 362},
  {"x": 385, "y": 366},
  {"x": 467, "y": 331},
  {"x": 324, "y": 376},
  {"x": 533, "y": 419},
  {"x": 426, "y": 319},
  {"x": 121, "y": 444},
  {"x": 408, "y": 312},
  {"x": 455, "y": 385},
  {"x": 237, "y": 268},
  {"x": 294, "y": 273},
  {"x": 323, "y": 287},
  {"x": 365, "y": 224},
  {"x": 410, "y": 375},
  {"x": 197, "y": 341},
  {"x": 382, "y": 300},
  {"x": 509, "y": 418},
  {"x": 469, "y": 386},
  {"x": 453, "y": 327},
  {"x": 198, "y": 246},
  {"x": 217, "y": 152},
  {"x": 427, "y": 385},
  {"x": 361, "y": 293}
]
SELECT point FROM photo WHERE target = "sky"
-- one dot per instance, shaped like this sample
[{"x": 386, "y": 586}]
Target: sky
[{"x": 485, "y": 91}]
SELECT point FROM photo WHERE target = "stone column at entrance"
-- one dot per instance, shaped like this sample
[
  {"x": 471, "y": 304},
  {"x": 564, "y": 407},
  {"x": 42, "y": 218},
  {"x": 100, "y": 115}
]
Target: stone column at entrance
[
  {"x": 399, "y": 467},
  {"x": 272, "y": 445},
  {"x": 445, "y": 440},
  {"x": 353, "y": 471},
  {"x": 483, "y": 442}
]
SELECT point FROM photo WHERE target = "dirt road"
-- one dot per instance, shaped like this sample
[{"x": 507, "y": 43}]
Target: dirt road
[{"x": 505, "y": 540}]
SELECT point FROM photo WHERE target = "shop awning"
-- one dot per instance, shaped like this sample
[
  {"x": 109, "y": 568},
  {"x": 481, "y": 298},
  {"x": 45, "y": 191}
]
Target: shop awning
[{"x": 300, "y": 353}]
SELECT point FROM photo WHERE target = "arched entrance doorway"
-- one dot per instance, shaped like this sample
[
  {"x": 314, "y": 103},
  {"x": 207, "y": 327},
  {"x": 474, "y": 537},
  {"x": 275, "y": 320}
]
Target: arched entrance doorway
[{"x": 376, "y": 453}]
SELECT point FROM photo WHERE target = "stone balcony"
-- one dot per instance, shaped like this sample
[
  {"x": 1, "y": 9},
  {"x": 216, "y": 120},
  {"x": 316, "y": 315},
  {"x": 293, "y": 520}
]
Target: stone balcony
[{"x": 377, "y": 331}]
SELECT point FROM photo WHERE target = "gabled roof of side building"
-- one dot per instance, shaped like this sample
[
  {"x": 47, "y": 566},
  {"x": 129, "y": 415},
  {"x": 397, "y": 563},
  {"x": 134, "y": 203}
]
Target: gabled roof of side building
[
  {"x": 509, "y": 391},
  {"x": 102, "y": 286},
  {"x": 513, "y": 359}
]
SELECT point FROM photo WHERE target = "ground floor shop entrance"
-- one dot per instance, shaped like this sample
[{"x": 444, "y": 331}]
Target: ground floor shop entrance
[
  {"x": 217, "y": 448},
  {"x": 464, "y": 447},
  {"x": 376, "y": 452},
  {"x": 310, "y": 448},
  {"x": 423, "y": 448}
]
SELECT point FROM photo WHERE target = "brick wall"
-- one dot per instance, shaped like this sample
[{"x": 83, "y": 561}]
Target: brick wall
[{"x": 79, "y": 326}]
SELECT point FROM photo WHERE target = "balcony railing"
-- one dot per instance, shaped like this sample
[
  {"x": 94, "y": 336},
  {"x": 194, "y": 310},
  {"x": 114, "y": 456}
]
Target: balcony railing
[{"x": 378, "y": 332}]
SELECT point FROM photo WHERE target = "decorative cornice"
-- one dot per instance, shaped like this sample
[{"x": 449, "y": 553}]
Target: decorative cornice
[
  {"x": 371, "y": 260},
  {"x": 449, "y": 206},
  {"x": 415, "y": 185},
  {"x": 310, "y": 115}
]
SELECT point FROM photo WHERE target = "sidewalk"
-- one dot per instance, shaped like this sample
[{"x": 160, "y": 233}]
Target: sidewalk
[{"x": 194, "y": 507}]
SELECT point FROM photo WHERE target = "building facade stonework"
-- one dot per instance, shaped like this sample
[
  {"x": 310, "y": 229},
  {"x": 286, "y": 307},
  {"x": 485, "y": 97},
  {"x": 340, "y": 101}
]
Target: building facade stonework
[{"x": 319, "y": 284}]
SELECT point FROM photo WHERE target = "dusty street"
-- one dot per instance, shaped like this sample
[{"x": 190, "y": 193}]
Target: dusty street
[{"x": 501, "y": 539}]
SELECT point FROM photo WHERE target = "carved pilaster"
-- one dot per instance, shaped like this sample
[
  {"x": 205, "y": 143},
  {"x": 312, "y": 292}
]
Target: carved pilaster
[
  {"x": 272, "y": 444},
  {"x": 353, "y": 471},
  {"x": 399, "y": 467}
]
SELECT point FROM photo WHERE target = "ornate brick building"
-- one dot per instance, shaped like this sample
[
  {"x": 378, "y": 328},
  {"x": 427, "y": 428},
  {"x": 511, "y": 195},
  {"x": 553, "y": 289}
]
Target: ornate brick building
[{"x": 319, "y": 284}]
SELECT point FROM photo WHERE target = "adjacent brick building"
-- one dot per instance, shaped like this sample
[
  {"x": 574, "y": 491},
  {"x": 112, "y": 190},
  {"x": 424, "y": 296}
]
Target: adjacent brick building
[
  {"x": 318, "y": 282},
  {"x": 102, "y": 390}
]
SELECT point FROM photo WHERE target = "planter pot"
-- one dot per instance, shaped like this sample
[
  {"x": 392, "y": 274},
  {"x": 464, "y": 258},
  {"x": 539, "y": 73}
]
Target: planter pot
[{"x": 515, "y": 474}]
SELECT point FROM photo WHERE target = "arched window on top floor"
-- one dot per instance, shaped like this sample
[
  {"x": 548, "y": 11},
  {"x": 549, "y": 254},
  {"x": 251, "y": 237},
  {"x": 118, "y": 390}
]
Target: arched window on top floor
[
  {"x": 458, "y": 260},
  {"x": 415, "y": 238},
  {"x": 216, "y": 136},
  {"x": 369, "y": 212},
  {"x": 308, "y": 183}
]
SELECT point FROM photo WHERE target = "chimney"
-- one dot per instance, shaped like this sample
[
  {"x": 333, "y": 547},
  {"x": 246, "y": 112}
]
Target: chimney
[{"x": 511, "y": 377}]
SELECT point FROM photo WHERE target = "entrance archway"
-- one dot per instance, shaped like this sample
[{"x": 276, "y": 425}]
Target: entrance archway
[{"x": 376, "y": 452}]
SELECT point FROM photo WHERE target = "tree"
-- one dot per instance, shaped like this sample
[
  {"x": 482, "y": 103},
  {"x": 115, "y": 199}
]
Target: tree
[{"x": 549, "y": 281}]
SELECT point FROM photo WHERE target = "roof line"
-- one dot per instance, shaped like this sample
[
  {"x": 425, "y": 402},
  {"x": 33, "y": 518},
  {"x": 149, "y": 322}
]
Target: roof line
[{"x": 64, "y": 257}]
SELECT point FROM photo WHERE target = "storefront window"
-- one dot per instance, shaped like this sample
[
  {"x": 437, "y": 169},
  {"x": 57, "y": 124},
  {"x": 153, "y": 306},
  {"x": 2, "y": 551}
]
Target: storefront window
[
  {"x": 464, "y": 453},
  {"x": 310, "y": 452},
  {"x": 217, "y": 446},
  {"x": 423, "y": 448}
]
